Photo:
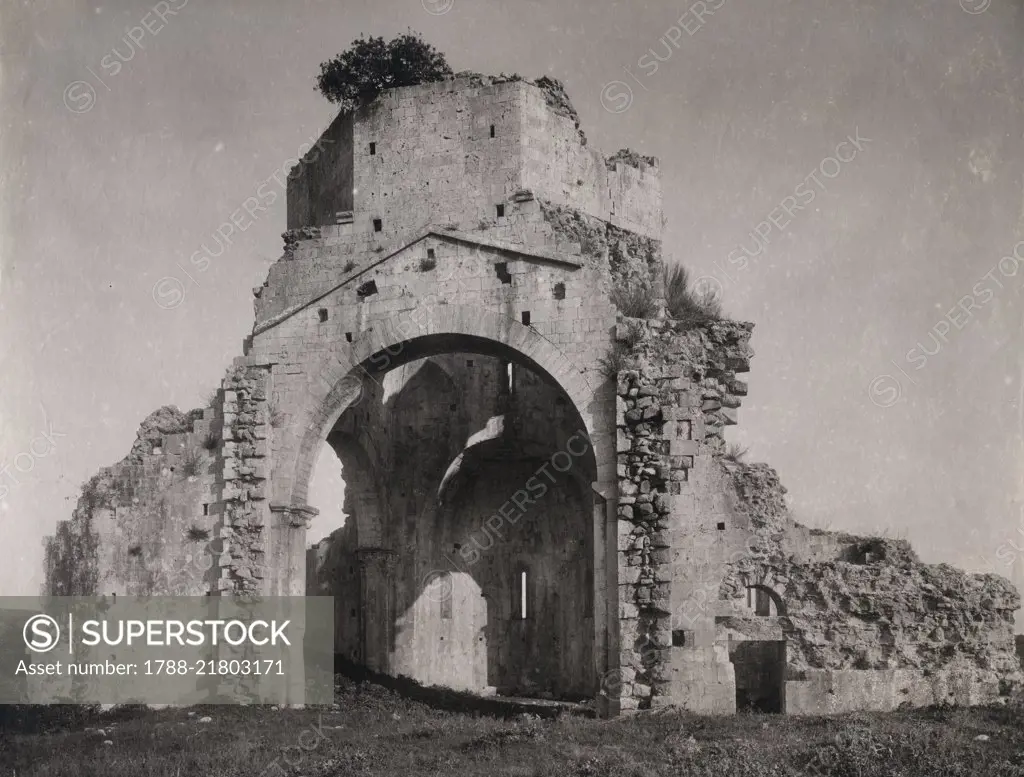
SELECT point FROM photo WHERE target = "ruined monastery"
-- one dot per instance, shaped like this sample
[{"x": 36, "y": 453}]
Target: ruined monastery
[{"x": 539, "y": 499}]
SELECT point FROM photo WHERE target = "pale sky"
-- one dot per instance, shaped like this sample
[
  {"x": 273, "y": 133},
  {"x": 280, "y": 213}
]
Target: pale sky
[{"x": 100, "y": 204}]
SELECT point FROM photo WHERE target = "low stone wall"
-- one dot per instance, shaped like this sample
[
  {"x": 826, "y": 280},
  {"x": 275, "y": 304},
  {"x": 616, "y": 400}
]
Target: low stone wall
[{"x": 823, "y": 692}]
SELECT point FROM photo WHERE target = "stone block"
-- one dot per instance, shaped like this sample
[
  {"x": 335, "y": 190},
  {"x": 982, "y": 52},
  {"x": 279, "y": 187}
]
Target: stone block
[
  {"x": 622, "y": 442},
  {"x": 680, "y": 447}
]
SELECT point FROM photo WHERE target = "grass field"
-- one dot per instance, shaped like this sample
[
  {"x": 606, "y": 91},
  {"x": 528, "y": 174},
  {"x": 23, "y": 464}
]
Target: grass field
[{"x": 372, "y": 731}]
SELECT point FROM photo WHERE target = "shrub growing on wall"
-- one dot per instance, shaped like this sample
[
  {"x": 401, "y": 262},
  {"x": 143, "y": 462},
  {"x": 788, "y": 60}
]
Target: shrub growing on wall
[
  {"x": 693, "y": 306},
  {"x": 635, "y": 299},
  {"x": 370, "y": 65}
]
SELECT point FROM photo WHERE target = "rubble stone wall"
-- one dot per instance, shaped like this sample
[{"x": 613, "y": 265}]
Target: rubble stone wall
[
  {"x": 148, "y": 524},
  {"x": 706, "y": 541}
]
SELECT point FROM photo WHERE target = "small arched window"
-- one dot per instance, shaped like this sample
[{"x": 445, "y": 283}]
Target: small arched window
[{"x": 763, "y": 601}]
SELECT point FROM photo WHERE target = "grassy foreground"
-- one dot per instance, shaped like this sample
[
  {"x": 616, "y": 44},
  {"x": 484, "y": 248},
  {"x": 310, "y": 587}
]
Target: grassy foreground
[{"x": 372, "y": 731}]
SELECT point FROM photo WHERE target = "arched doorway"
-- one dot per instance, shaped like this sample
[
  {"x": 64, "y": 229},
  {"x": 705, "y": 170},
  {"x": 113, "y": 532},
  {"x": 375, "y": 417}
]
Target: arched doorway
[
  {"x": 474, "y": 567},
  {"x": 759, "y": 654}
]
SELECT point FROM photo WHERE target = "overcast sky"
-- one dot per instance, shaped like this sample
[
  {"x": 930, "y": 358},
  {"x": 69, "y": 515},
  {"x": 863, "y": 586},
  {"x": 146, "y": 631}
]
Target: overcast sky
[{"x": 881, "y": 408}]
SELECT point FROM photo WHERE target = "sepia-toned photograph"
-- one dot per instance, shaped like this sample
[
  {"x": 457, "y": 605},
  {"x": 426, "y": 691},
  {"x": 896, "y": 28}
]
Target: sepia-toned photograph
[{"x": 536, "y": 389}]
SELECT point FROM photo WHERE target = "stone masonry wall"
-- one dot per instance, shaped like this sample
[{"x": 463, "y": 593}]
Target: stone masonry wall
[
  {"x": 568, "y": 173},
  {"x": 676, "y": 391},
  {"x": 628, "y": 258},
  {"x": 148, "y": 524},
  {"x": 248, "y": 422},
  {"x": 454, "y": 150},
  {"x": 322, "y": 186},
  {"x": 186, "y": 512},
  {"x": 865, "y": 624}
]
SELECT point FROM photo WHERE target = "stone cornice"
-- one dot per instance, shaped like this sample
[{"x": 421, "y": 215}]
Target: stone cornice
[{"x": 299, "y": 516}]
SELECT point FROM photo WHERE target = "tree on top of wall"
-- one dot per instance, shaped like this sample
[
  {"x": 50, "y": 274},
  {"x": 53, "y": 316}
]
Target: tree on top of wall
[{"x": 370, "y": 65}]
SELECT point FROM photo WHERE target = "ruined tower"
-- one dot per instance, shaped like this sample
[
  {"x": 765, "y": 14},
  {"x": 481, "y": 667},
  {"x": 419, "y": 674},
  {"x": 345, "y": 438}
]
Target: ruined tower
[{"x": 538, "y": 497}]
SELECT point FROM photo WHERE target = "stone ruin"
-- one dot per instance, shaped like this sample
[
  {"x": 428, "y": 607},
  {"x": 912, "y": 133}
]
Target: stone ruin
[{"x": 539, "y": 499}]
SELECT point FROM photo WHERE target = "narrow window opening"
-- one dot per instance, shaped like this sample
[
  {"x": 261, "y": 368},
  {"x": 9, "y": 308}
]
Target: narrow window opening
[
  {"x": 510, "y": 377},
  {"x": 367, "y": 289},
  {"x": 373, "y": 149},
  {"x": 352, "y": 613},
  {"x": 501, "y": 268},
  {"x": 348, "y": 337},
  {"x": 378, "y": 225},
  {"x": 430, "y": 254},
  {"x": 522, "y": 595},
  {"x": 501, "y": 210},
  {"x": 323, "y": 314},
  {"x": 206, "y": 508},
  {"x": 492, "y": 130},
  {"x": 559, "y": 290},
  {"x": 526, "y": 317},
  {"x": 446, "y": 596}
]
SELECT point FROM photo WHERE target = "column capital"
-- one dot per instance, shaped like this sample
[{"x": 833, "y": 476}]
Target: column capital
[{"x": 298, "y": 516}]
